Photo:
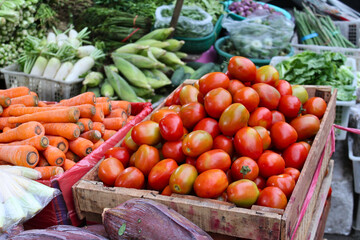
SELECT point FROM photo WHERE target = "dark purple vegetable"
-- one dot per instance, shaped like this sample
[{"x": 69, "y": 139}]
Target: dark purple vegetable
[{"x": 245, "y": 7}]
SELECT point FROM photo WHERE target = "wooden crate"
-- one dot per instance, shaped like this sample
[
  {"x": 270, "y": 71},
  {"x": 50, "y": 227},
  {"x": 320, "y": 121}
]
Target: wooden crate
[{"x": 91, "y": 197}]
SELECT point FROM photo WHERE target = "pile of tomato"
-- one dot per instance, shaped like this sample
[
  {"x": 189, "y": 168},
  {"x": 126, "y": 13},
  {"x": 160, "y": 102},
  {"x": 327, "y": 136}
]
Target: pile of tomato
[{"x": 241, "y": 137}]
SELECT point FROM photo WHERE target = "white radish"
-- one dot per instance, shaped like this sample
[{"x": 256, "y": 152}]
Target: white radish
[
  {"x": 86, "y": 50},
  {"x": 73, "y": 34},
  {"x": 81, "y": 66},
  {"x": 39, "y": 66},
  {"x": 63, "y": 71},
  {"x": 51, "y": 37},
  {"x": 52, "y": 68},
  {"x": 61, "y": 38}
]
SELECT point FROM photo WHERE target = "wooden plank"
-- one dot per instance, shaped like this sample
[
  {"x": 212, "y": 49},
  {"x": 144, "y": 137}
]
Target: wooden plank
[
  {"x": 321, "y": 228},
  {"x": 297, "y": 198}
]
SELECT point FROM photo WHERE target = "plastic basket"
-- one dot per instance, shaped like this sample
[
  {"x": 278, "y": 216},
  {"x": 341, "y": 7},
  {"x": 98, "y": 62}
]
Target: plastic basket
[
  {"x": 235, "y": 16},
  {"x": 356, "y": 164},
  {"x": 342, "y": 107},
  {"x": 351, "y": 30},
  {"x": 226, "y": 56},
  {"x": 47, "y": 89},
  {"x": 200, "y": 45}
]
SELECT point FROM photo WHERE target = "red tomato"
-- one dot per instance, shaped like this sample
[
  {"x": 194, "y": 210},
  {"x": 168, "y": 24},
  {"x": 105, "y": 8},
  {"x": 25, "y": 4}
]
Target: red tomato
[
  {"x": 284, "y": 88},
  {"x": 290, "y": 106},
  {"x": 277, "y": 117},
  {"x": 315, "y": 106},
  {"x": 295, "y": 155},
  {"x": 242, "y": 68},
  {"x": 267, "y": 74},
  {"x": 213, "y": 159},
  {"x": 174, "y": 151},
  {"x": 244, "y": 167},
  {"x": 147, "y": 132},
  {"x": 283, "y": 181},
  {"x": 132, "y": 160},
  {"x": 131, "y": 177},
  {"x": 160, "y": 114},
  {"x": 269, "y": 96},
  {"x": 270, "y": 163},
  {"x": 171, "y": 127},
  {"x": 209, "y": 125},
  {"x": 248, "y": 143},
  {"x": 282, "y": 135},
  {"x": 129, "y": 143},
  {"x": 260, "y": 182},
  {"x": 188, "y": 94},
  {"x": 213, "y": 80},
  {"x": 191, "y": 114},
  {"x": 175, "y": 108},
  {"x": 182, "y": 179},
  {"x": 146, "y": 157},
  {"x": 265, "y": 136},
  {"x": 216, "y": 101},
  {"x": 260, "y": 117},
  {"x": 248, "y": 97},
  {"x": 196, "y": 143},
  {"x": 191, "y": 161},
  {"x": 200, "y": 98},
  {"x": 109, "y": 169},
  {"x": 196, "y": 84},
  {"x": 211, "y": 183},
  {"x": 293, "y": 172},
  {"x": 233, "y": 118},
  {"x": 243, "y": 193},
  {"x": 120, "y": 153},
  {"x": 160, "y": 174},
  {"x": 229, "y": 75},
  {"x": 306, "y": 126},
  {"x": 224, "y": 143},
  {"x": 166, "y": 191},
  {"x": 234, "y": 86},
  {"x": 176, "y": 96},
  {"x": 272, "y": 197},
  {"x": 169, "y": 100},
  {"x": 306, "y": 145}
]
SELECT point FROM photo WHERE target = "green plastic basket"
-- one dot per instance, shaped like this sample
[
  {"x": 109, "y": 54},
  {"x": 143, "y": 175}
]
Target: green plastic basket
[
  {"x": 200, "y": 45},
  {"x": 226, "y": 56},
  {"x": 235, "y": 16}
]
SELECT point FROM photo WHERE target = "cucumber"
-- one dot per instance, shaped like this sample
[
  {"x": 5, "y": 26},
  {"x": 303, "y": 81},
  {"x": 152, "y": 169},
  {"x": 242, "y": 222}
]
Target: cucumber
[
  {"x": 95, "y": 90},
  {"x": 206, "y": 68},
  {"x": 216, "y": 68},
  {"x": 106, "y": 89},
  {"x": 188, "y": 69},
  {"x": 195, "y": 65},
  {"x": 178, "y": 76}
]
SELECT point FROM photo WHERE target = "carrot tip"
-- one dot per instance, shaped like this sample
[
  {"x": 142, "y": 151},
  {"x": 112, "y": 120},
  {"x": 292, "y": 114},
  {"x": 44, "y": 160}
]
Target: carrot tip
[
  {"x": 59, "y": 161},
  {"x": 32, "y": 158}
]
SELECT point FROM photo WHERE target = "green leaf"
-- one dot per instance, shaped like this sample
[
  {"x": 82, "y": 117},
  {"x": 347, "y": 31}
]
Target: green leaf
[{"x": 122, "y": 229}]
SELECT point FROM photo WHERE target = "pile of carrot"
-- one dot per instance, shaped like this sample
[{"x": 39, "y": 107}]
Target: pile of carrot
[{"x": 53, "y": 137}]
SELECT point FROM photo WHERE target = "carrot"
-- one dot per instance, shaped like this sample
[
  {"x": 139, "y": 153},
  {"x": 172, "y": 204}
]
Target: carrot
[
  {"x": 1, "y": 109},
  {"x": 87, "y": 123},
  {"x": 98, "y": 143},
  {"x": 102, "y": 99},
  {"x": 6, "y": 112},
  {"x": 108, "y": 134},
  {"x": 117, "y": 113},
  {"x": 121, "y": 104},
  {"x": 68, "y": 164},
  {"x": 15, "y": 92},
  {"x": 19, "y": 155},
  {"x": 114, "y": 123},
  {"x": 92, "y": 135},
  {"x": 54, "y": 156},
  {"x": 81, "y": 146},
  {"x": 100, "y": 127},
  {"x": 86, "y": 110},
  {"x": 130, "y": 118},
  {"x": 59, "y": 142},
  {"x": 99, "y": 115},
  {"x": 81, "y": 126},
  {"x": 5, "y": 101},
  {"x": 105, "y": 107},
  {"x": 5, "y": 163},
  {"x": 22, "y": 132},
  {"x": 33, "y": 94},
  {"x": 6, "y": 129},
  {"x": 29, "y": 110},
  {"x": 5, "y": 123},
  {"x": 84, "y": 98},
  {"x": 42, "y": 104},
  {"x": 39, "y": 142},
  {"x": 69, "y": 131},
  {"x": 27, "y": 100},
  {"x": 42, "y": 161},
  {"x": 72, "y": 156},
  {"x": 47, "y": 172}
]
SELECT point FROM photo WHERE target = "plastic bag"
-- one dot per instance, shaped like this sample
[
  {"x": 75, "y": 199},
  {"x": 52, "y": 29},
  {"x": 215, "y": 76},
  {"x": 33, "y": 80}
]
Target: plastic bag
[
  {"x": 21, "y": 199},
  {"x": 261, "y": 35},
  {"x": 193, "y": 21}
]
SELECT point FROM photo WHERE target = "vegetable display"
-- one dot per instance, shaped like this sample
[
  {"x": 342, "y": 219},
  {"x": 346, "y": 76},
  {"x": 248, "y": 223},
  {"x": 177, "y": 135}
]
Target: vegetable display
[
  {"x": 330, "y": 69},
  {"x": 189, "y": 144}
]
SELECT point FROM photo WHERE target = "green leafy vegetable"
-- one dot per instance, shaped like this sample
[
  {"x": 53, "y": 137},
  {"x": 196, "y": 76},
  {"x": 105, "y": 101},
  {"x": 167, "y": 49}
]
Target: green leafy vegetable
[{"x": 328, "y": 68}]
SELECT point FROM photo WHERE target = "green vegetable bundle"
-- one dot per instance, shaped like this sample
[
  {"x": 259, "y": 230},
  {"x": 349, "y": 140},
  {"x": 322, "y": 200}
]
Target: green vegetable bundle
[{"x": 328, "y": 68}]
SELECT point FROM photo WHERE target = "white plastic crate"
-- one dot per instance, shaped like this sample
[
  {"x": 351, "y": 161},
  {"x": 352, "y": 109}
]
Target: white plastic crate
[
  {"x": 356, "y": 164},
  {"x": 342, "y": 107},
  {"x": 47, "y": 89},
  {"x": 351, "y": 30}
]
